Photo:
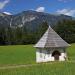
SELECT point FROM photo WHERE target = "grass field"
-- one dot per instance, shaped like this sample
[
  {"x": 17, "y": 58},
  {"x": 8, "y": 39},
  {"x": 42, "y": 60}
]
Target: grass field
[
  {"x": 25, "y": 54},
  {"x": 19, "y": 54},
  {"x": 59, "y": 68},
  {"x": 71, "y": 52}
]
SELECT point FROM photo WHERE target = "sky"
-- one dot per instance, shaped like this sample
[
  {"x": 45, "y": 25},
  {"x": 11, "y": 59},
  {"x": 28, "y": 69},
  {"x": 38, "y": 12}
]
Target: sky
[{"x": 66, "y": 7}]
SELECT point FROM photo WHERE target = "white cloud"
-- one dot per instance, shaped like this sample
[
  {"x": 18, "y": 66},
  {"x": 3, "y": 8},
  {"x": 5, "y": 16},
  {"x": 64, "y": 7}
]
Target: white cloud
[
  {"x": 64, "y": 0},
  {"x": 70, "y": 12},
  {"x": 40, "y": 9},
  {"x": 7, "y": 13},
  {"x": 3, "y": 3}
]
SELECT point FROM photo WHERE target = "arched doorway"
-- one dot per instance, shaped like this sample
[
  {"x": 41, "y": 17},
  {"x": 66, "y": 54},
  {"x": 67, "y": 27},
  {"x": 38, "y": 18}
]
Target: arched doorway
[{"x": 56, "y": 55}]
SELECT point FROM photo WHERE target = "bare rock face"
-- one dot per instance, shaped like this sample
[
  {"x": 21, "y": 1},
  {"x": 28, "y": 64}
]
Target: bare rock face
[{"x": 30, "y": 19}]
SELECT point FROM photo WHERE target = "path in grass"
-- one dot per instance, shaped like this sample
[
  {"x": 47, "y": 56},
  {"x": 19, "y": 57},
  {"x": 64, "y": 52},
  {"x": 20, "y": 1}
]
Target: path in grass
[
  {"x": 16, "y": 66},
  {"x": 19, "y": 66},
  {"x": 50, "y": 68}
]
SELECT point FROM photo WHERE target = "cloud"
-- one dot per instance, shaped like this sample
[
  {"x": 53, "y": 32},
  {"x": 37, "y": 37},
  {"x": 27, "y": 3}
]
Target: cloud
[
  {"x": 7, "y": 13},
  {"x": 40, "y": 9},
  {"x": 70, "y": 12},
  {"x": 3, "y": 3},
  {"x": 64, "y": 1}
]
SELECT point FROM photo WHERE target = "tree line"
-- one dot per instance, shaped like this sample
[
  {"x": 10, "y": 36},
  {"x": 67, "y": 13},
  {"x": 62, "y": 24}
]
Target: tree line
[
  {"x": 66, "y": 29},
  {"x": 21, "y": 35}
]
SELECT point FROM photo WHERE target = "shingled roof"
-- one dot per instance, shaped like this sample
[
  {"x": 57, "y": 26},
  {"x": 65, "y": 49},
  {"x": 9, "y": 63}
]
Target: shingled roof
[{"x": 51, "y": 39}]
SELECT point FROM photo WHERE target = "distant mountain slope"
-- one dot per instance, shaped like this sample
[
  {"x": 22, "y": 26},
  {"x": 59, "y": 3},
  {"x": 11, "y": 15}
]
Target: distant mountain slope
[
  {"x": 5, "y": 20},
  {"x": 30, "y": 19},
  {"x": 28, "y": 26}
]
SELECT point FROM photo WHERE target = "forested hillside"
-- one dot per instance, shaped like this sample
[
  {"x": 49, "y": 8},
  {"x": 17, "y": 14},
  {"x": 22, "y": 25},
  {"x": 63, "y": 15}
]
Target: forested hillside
[
  {"x": 27, "y": 27},
  {"x": 20, "y": 35},
  {"x": 66, "y": 29}
]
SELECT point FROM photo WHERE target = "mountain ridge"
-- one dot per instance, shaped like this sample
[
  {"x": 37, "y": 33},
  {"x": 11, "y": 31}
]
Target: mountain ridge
[{"x": 31, "y": 19}]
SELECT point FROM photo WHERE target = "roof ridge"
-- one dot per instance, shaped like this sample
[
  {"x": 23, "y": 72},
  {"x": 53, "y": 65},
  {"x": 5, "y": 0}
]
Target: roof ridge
[{"x": 51, "y": 39}]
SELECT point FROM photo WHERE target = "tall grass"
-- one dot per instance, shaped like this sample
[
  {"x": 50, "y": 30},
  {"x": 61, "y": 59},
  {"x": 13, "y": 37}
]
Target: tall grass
[
  {"x": 59, "y": 68},
  {"x": 71, "y": 52},
  {"x": 25, "y": 54}
]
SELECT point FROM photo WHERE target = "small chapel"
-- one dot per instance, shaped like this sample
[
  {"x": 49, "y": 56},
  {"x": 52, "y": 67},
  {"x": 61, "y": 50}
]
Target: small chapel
[{"x": 51, "y": 47}]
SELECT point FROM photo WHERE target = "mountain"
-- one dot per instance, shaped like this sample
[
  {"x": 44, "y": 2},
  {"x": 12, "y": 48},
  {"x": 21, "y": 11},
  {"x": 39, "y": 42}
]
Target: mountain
[
  {"x": 7, "y": 13},
  {"x": 30, "y": 19},
  {"x": 4, "y": 20},
  {"x": 27, "y": 27}
]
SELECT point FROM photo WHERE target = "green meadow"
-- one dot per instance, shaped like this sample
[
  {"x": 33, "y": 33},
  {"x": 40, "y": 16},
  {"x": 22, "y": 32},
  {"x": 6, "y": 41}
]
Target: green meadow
[
  {"x": 17, "y": 54},
  {"x": 25, "y": 55},
  {"x": 59, "y": 68}
]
